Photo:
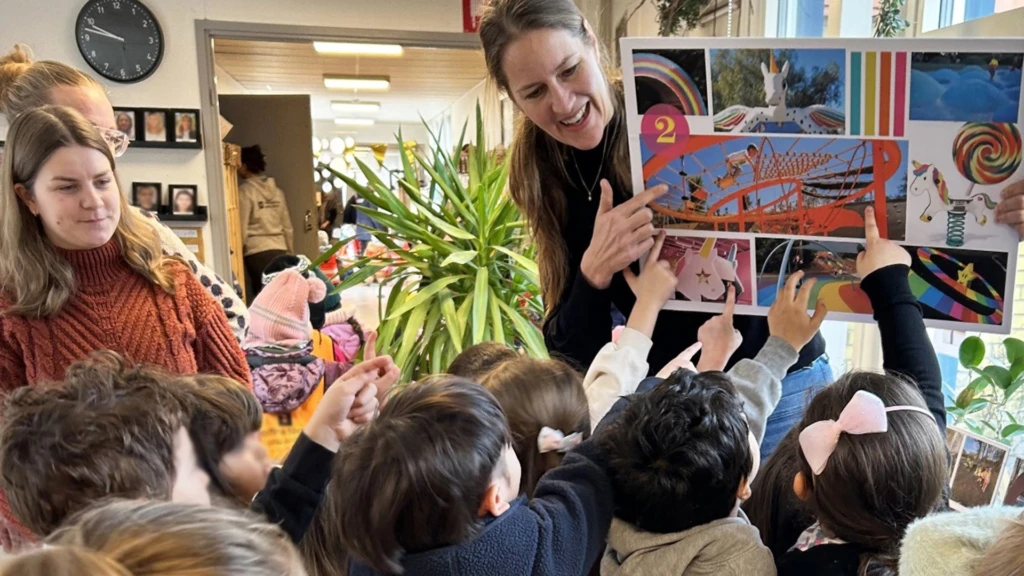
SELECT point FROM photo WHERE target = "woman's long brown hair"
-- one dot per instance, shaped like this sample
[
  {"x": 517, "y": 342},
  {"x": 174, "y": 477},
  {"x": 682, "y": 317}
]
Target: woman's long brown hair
[{"x": 537, "y": 171}]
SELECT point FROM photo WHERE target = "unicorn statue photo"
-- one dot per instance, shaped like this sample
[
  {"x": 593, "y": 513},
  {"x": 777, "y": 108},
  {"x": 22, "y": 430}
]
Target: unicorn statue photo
[
  {"x": 705, "y": 276},
  {"x": 776, "y": 116},
  {"x": 930, "y": 182}
]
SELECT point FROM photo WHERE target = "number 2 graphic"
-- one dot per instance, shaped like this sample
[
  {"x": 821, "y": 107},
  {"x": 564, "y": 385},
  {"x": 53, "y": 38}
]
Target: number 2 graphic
[{"x": 667, "y": 125}]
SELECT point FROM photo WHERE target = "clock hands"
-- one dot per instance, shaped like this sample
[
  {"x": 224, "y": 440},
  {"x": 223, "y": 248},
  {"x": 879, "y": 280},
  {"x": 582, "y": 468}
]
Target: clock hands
[{"x": 102, "y": 32}]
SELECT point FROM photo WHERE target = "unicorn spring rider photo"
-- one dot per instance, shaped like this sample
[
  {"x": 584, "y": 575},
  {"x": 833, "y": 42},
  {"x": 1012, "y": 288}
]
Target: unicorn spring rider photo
[
  {"x": 705, "y": 276},
  {"x": 776, "y": 116},
  {"x": 928, "y": 181}
]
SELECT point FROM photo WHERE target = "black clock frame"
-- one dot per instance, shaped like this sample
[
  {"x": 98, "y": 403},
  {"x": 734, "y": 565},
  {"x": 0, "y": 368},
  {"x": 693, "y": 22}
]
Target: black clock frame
[{"x": 156, "y": 25}]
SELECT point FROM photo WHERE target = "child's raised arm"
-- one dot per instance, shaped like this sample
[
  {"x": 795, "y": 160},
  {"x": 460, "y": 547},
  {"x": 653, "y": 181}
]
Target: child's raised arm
[
  {"x": 621, "y": 365},
  {"x": 884, "y": 268}
]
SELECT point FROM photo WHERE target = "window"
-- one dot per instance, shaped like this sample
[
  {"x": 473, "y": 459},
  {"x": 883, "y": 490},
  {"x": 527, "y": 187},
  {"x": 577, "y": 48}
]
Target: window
[{"x": 943, "y": 13}]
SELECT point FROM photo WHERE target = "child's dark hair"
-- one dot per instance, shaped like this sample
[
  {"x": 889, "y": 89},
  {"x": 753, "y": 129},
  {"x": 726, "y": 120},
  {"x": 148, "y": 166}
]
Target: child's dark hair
[
  {"x": 444, "y": 438},
  {"x": 107, "y": 430},
  {"x": 678, "y": 454},
  {"x": 224, "y": 413},
  {"x": 253, "y": 159},
  {"x": 476, "y": 361},
  {"x": 875, "y": 485},
  {"x": 534, "y": 394},
  {"x": 773, "y": 508}
]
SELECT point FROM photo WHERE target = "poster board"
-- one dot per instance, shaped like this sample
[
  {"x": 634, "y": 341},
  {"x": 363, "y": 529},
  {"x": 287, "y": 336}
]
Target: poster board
[{"x": 772, "y": 149}]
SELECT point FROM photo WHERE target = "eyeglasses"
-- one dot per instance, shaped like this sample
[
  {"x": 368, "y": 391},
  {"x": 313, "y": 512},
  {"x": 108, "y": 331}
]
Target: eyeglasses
[{"x": 117, "y": 140}]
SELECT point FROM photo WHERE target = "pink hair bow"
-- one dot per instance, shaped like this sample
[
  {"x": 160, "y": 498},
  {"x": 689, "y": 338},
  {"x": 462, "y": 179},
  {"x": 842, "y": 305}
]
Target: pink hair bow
[
  {"x": 864, "y": 414},
  {"x": 551, "y": 440}
]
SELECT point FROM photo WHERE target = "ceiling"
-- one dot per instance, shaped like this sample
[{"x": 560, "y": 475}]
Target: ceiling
[{"x": 424, "y": 81}]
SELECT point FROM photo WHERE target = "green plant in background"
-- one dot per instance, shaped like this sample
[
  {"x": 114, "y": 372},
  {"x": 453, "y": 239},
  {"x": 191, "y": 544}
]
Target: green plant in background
[
  {"x": 672, "y": 14},
  {"x": 889, "y": 22},
  {"x": 985, "y": 405},
  {"x": 464, "y": 273}
]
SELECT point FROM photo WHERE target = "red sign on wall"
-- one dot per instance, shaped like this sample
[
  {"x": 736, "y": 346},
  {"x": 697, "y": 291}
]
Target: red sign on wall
[{"x": 471, "y": 15}]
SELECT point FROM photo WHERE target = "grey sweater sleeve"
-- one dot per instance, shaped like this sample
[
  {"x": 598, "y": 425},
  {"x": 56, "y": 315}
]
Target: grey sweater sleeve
[{"x": 758, "y": 381}]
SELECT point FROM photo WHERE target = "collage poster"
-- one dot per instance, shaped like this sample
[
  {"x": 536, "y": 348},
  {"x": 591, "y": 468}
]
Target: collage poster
[{"x": 772, "y": 150}]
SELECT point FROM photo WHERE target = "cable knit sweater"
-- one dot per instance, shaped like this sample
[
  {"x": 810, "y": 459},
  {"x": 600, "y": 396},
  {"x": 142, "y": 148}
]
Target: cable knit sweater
[{"x": 115, "y": 308}]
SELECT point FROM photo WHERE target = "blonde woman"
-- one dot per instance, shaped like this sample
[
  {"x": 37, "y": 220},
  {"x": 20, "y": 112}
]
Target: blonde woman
[
  {"x": 80, "y": 272},
  {"x": 25, "y": 85},
  {"x": 125, "y": 538}
]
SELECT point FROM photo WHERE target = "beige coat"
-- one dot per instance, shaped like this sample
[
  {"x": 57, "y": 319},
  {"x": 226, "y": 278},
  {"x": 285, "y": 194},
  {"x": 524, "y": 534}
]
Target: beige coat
[{"x": 265, "y": 222}]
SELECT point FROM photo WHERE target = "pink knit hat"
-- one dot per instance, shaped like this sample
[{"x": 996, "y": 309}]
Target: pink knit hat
[{"x": 280, "y": 312}]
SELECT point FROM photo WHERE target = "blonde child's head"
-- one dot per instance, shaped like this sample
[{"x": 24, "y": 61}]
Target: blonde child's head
[
  {"x": 1006, "y": 556},
  {"x": 129, "y": 537}
]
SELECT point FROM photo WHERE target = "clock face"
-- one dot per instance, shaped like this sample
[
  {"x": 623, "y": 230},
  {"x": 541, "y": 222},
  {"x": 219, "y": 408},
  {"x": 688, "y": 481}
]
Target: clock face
[{"x": 120, "y": 39}]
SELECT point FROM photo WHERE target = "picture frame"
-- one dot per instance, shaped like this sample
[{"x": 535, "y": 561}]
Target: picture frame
[
  {"x": 126, "y": 121},
  {"x": 978, "y": 469},
  {"x": 159, "y": 127},
  {"x": 148, "y": 196},
  {"x": 182, "y": 200}
]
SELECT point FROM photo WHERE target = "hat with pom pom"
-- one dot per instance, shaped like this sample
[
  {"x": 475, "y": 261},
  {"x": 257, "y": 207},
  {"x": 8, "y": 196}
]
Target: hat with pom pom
[{"x": 280, "y": 313}]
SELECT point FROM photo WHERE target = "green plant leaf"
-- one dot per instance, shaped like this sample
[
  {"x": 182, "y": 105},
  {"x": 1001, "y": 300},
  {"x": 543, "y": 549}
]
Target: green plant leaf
[
  {"x": 451, "y": 320},
  {"x": 356, "y": 278},
  {"x": 1017, "y": 368},
  {"x": 411, "y": 333},
  {"x": 964, "y": 399},
  {"x": 1013, "y": 419},
  {"x": 459, "y": 258},
  {"x": 527, "y": 264},
  {"x": 1014, "y": 350},
  {"x": 1000, "y": 376},
  {"x": 437, "y": 364},
  {"x": 1012, "y": 389},
  {"x": 979, "y": 385},
  {"x": 480, "y": 297},
  {"x": 976, "y": 405},
  {"x": 527, "y": 332},
  {"x": 1011, "y": 431},
  {"x": 424, "y": 294},
  {"x": 989, "y": 425},
  {"x": 330, "y": 252},
  {"x": 972, "y": 352},
  {"x": 497, "y": 326}
]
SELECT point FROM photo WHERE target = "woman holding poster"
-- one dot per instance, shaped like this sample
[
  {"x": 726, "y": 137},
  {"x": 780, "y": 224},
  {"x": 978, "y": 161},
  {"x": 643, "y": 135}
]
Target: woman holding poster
[{"x": 570, "y": 175}]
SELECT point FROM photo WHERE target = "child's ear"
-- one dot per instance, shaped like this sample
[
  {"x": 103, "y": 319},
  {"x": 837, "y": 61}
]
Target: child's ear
[
  {"x": 743, "y": 494},
  {"x": 801, "y": 487},
  {"x": 493, "y": 503}
]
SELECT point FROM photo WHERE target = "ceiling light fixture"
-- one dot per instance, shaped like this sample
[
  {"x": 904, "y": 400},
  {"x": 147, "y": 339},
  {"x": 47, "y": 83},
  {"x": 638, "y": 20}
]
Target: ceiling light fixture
[
  {"x": 356, "y": 107},
  {"x": 379, "y": 83},
  {"x": 354, "y": 121},
  {"x": 358, "y": 49}
]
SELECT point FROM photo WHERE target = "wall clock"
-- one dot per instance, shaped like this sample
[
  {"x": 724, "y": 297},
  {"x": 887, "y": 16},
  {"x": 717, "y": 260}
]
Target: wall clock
[{"x": 120, "y": 39}]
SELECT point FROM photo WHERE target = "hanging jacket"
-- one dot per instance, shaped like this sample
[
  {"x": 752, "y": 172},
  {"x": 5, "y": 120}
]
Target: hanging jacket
[{"x": 264, "y": 219}]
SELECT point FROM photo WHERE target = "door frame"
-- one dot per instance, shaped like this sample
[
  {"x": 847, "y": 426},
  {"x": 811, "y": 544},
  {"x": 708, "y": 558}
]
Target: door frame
[{"x": 209, "y": 30}]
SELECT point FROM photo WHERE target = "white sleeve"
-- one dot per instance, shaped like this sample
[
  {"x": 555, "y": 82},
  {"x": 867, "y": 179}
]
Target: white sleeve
[{"x": 616, "y": 371}]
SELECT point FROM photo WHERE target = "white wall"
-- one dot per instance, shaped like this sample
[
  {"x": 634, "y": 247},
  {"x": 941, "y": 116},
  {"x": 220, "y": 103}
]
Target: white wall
[
  {"x": 1003, "y": 25},
  {"x": 48, "y": 27},
  {"x": 463, "y": 112}
]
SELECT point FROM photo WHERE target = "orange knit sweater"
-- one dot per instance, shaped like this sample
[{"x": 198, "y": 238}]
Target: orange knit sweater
[{"x": 117, "y": 309}]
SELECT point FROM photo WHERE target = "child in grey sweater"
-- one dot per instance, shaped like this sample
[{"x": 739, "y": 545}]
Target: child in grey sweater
[{"x": 682, "y": 456}]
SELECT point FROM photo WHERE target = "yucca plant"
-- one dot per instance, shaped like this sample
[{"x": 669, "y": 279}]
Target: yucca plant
[{"x": 463, "y": 272}]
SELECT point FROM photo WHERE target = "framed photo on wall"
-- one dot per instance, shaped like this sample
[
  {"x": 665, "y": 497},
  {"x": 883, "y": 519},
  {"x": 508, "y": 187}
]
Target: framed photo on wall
[
  {"x": 186, "y": 127},
  {"x": 126, "y": 121},
  {"x": 182, "y": 199},
  {"x": 161, "y": 127},
  {"x": 154, "y": 127},
  {"x": 146, "y": 195}
]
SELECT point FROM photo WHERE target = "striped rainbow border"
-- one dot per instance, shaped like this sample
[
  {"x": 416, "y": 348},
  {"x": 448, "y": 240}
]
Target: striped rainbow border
[{"x": 878, "y": 93}]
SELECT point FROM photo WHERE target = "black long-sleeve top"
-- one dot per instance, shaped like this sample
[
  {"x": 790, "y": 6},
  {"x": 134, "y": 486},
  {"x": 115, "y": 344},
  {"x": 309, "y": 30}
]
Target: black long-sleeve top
[{"x": 580, "y": 323}]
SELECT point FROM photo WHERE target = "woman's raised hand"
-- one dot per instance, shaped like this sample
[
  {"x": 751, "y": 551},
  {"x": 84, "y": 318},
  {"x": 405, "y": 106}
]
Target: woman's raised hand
[{"x": 622, "y": 234}]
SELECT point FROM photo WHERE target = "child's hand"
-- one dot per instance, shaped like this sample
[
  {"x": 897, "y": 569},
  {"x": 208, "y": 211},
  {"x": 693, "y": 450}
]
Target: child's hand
[
  {"x": 684, "y": 360},
  {"x": 653, "y": 288},
  {"x": 788, "y": 319},
  {"x": 350, "y": 401},
  {"x": 880, "y": 252},
  {"x": 719, "y": 340},
  {"x": 385, "y": 382}
]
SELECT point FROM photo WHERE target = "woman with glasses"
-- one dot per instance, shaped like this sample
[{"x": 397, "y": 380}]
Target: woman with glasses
[
  {"x": 25, "y": 85},
  {"x": 80, "y": 270}
]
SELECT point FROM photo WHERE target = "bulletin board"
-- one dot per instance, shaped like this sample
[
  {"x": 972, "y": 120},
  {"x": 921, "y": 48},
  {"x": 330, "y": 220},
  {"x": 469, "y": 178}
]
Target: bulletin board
[{"x": 772, "y": 150}]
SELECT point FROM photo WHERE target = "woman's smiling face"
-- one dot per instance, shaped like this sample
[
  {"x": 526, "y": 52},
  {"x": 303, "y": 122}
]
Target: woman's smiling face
[{"x": 555, "y": 78}]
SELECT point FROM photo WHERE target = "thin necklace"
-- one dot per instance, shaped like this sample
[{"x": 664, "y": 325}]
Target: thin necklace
[{"x": 590, "y": 189}]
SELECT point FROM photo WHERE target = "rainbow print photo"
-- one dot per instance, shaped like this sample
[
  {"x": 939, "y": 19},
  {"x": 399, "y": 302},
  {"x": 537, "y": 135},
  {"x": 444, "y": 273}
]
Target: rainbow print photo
[
  {"x": 674, "y": 77},
  {"x": 798, "y": 91}
]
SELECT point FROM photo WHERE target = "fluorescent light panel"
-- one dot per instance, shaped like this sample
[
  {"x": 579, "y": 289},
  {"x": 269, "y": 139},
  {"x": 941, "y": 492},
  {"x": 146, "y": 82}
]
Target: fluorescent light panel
[
  {"x": 355, "y": 48},
  {"x": 353, "y": 121},
  {"x": 379, "y": 83},
  {"x": 356, "y": 107}
]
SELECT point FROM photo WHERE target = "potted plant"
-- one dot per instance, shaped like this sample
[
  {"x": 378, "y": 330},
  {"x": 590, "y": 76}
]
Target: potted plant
[
  {"x": 985, "y": 405},
  {"x": 462, "y": 270}
]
